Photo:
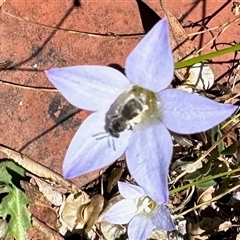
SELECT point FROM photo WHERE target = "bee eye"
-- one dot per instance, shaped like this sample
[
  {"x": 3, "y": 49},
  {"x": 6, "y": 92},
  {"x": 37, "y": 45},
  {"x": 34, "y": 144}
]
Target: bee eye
[{"x": 119, "y": 126}]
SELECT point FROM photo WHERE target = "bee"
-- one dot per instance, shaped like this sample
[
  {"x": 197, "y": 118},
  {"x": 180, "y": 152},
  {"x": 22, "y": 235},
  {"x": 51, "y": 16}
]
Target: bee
[
  {"x": 125, "y": 112},
  {"x": 124, "y": 116}
]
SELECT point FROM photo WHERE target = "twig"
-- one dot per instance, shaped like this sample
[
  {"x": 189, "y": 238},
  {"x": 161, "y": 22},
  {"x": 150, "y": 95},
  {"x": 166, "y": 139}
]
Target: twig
[
  {"x": 206, "y": 203},
  {"x": 90, "y": 34},
  {"x": 17, "y": 85}
]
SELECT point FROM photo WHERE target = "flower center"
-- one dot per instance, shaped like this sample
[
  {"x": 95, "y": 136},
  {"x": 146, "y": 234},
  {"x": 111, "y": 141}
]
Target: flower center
[
  {"x": 151, "y": 111},
  {"x": 146, "y": 206},
  {"x": 135, "y": 105}
]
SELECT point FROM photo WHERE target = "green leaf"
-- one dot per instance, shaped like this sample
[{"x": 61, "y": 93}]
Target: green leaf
[
  {"x": 15, "y": 206},
  {"x": 216, "y": 135},
  {"x": 206, "y": 168},
  {"x": 9, "y": 170},
  {"x": 5, "y": 176},
  {"x": 214, "y": 153},
  {"x": 183, "y": 141},
  {"x": 230, "y": 150},
  {"x": 192, "y": 176},
  {"x": 181, "y": 162},
  {"x": 5, "y": 189},
  {"x": 207, "y": 184},
  {"x": 223, "y": 187},
  {"x": 218, "y": 167},
  {"x": 13, "y": 166}
]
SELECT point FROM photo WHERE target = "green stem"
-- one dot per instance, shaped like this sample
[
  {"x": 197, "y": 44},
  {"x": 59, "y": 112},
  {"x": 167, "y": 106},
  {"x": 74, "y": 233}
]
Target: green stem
[
  {"x": 207, "y": 56},
  {"x": 205, "y": 179}
]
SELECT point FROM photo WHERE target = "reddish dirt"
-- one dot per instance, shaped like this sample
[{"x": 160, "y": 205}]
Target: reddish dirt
[{"x": 41, "y": 123}]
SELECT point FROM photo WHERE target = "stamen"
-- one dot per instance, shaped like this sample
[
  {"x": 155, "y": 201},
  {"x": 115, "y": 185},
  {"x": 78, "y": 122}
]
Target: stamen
[{"x": 146, "y": 205}]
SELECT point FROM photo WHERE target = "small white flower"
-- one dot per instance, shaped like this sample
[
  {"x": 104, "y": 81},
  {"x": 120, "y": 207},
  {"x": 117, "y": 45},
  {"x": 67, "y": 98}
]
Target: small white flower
[{"x": 141, "y": 212}]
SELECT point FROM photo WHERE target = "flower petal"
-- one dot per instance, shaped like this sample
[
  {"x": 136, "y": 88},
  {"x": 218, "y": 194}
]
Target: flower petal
[
  {"x": 88, "y": 87},
  {"x": 162, "y": 219},
  {"x": 121, "y": 212},
  {"x": 148, "y": 157},
  {"x": 86, "y": 153},
  {"x": 130, "y": 191},
  {"x": 187, "y": 113},
  {"x": 150, "y": 65},
  {"x": 140, "y": 228}
]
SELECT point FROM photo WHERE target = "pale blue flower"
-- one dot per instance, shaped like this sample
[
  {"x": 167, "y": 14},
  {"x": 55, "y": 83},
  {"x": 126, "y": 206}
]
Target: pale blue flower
[
  {"x": 148, "y": 144},
  {"x": 141, "y": 212}
]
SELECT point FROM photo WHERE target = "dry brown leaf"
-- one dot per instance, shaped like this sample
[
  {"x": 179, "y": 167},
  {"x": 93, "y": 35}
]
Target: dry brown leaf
[
  {"x": 181, "y": 225},
  {"x": 38, "y": 169},
  {"x": 114, "y": 177},
  {"x": 191, "y": 167},
  {"x": 45, "y": 214},
  {"x": 198, "y": 77},
  {"x": 92, "y": 211},
  {"x": 236, "y": 8},
  {"x": 94, "y": 233},
  {"x": 206, "y": 196},
  {"x": 3, "y": 228},
  {"x": 225, "y": 226},
  {"x": 49, "y": 192},
  {"x": 71, "y": 211},
  {"x": 112, "y": 231},
  {"x": 158, "y": 234},
  {"x": 33, "y": 194},
  {"x": 41, "y": 231}
]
